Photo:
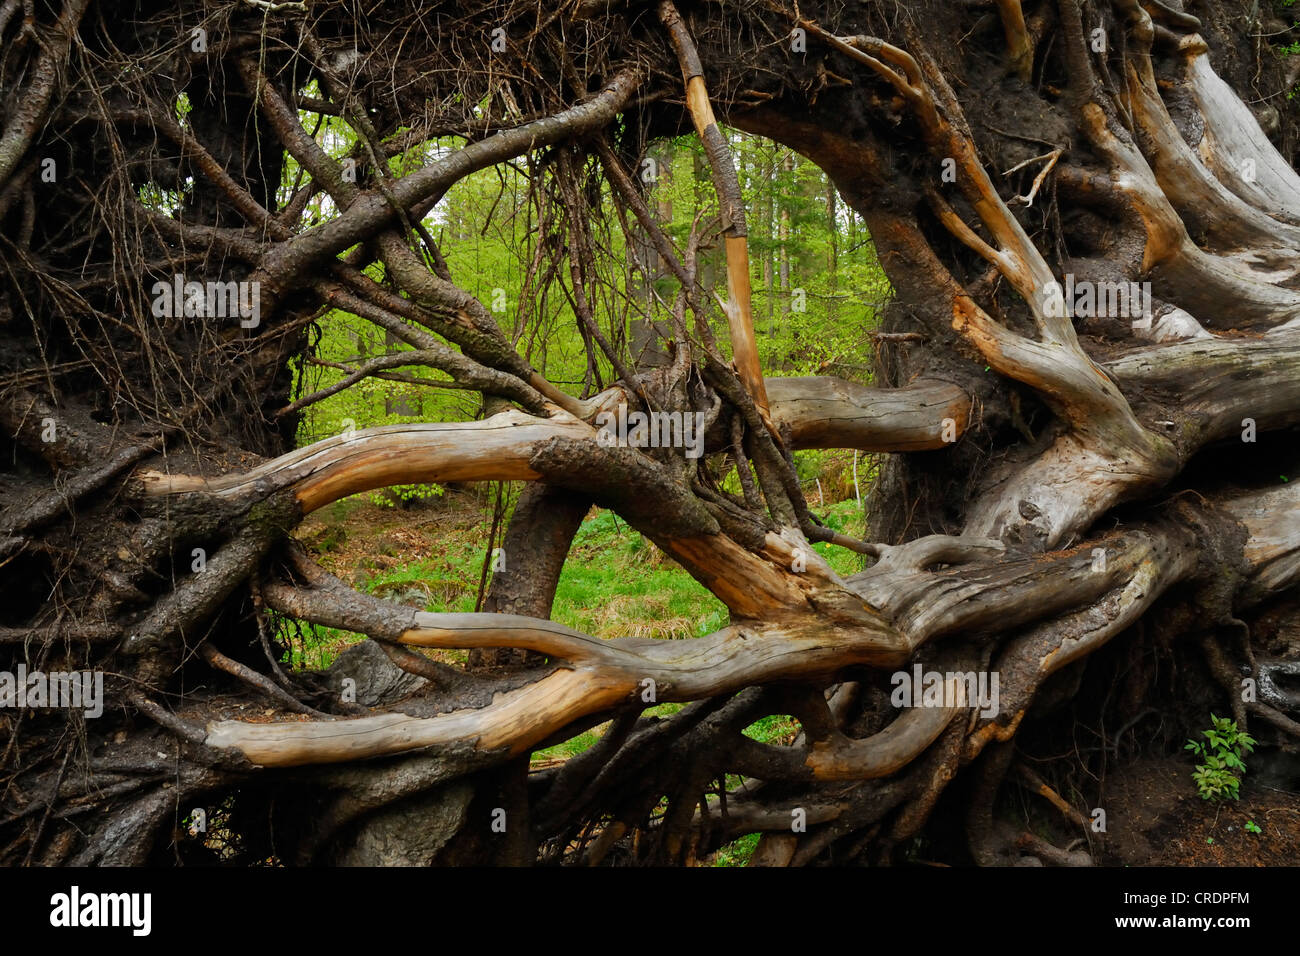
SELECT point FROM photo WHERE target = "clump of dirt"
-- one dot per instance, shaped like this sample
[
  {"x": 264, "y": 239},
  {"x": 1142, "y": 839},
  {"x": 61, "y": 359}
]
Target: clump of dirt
[{"x": 1155, "y": 817}]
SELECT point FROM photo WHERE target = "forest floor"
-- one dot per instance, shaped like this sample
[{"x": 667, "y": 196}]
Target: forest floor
[
  {"x": 431, "y": 555},
  {"x": 1156, "y": 818}
]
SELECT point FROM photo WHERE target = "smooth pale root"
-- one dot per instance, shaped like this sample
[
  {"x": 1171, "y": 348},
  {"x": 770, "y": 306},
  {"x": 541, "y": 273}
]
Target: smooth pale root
[
  {"x": 1020, "y": 47},
  {"x": 1192, "y": 187},
  {"x": 472, "y": 630},
  {"x": 528, "y": 715},
  {"x": 740, "y": 320},
  {"x": 915, "y": 606},
  {"x": 1221, "y": 382},
  {"x": 726, "y": 661},
  {"x": 1232, "y": 139},
  {"x": 827, "y": 412},
  {"x": 1272, "y": 519},
  {"x": 513, "y": 722},
  {"x": 496, "y": 449},
  {"x": 823, "y": 412}
]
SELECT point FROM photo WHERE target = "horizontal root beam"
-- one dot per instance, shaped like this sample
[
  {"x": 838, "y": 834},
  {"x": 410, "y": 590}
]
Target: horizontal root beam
[{"x": 826, "y": 412}]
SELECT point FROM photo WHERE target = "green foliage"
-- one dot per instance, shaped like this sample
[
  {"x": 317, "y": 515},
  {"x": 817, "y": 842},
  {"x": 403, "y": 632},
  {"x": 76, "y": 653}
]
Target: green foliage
[
  {"x": 1253, "y": 827},
  {"x": 615, "y": 584},
  {"x": 773, "y": 729},
  {"x": 1288, "y": 49},
  {"x": 738, "y": 852},
  {"x": 847, "y": 518},
  {"x": 1220, "y": 756},
  {"x": 817, "y": 285},
  {"x": 602, "y": 524},
  {"x": 716, "y": 621},
  {"x": 395, "y": 496}
]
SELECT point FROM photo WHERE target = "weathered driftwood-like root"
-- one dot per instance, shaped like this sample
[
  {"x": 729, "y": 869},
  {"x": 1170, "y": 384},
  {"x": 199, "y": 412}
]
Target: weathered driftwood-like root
[
  {"x": 1272, "y": 549},
  {"x": 1134, "y": 573},
  {"x": 822, "y": 412},
  {"x": 1119, "y": 457},
  {"x": 1202, "y": 199},
  {"x": 825, "y": 412},
  {"x": 1000, "y": 597},
  {"x": 752, "y": 579},
  {"x": 1229, "y": 139},
  {"x": 1233, "y": 142},
  {"x": 496, "y": 449},
  {"x": 835, "y": 756},
  {"x": 1166, "y": 556},
  {"x": 601, "y": 675},
  {"x": 907, "y": 604},
  {"x": 1163, "y": 559},
  {"x": 835, "y": 811},
  {"x": 1181, "y": 272},
  {"x": 1213, "y": 388}
]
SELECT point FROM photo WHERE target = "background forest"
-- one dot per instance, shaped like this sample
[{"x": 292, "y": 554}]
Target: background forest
[{"x": 817, "y": 285}]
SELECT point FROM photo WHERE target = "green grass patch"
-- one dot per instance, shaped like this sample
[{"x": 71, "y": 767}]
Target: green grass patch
[
  {"x": 774, "y": 729},
  {"x": 738, "y": 852}
]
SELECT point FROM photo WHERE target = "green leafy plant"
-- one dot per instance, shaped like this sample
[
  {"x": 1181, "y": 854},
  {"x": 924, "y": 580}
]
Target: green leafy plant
[
  {"x": 1253, "y": 827},
  {"x": 397, "y": 496},
  {"x": 1220, "y": 756}
]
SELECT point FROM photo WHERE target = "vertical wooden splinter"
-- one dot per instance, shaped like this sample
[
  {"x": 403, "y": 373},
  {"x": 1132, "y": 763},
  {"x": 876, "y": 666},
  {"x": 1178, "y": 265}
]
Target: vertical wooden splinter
[
  {"x": 727, "y": 184},
  {"x": 1019, "y": 45}
]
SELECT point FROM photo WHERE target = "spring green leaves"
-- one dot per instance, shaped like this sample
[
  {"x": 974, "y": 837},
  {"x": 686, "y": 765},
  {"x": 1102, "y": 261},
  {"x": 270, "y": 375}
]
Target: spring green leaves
[{"x": 1220, "y": 755}]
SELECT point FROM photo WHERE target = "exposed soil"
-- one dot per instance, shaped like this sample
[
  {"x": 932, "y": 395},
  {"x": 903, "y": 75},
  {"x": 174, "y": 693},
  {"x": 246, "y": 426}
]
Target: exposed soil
[
  {"x": 376, "y": 537},
  {"x": 1154, "y": 817}
]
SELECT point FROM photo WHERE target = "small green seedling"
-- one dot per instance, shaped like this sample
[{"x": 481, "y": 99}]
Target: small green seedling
[
  {"x": 1220, "y": 758},
  {"x": 1253, "y": 827}
]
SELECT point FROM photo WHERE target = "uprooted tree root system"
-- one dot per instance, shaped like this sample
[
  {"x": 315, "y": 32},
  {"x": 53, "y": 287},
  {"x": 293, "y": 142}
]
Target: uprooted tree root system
[{"x": 1092, "y": 504}]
